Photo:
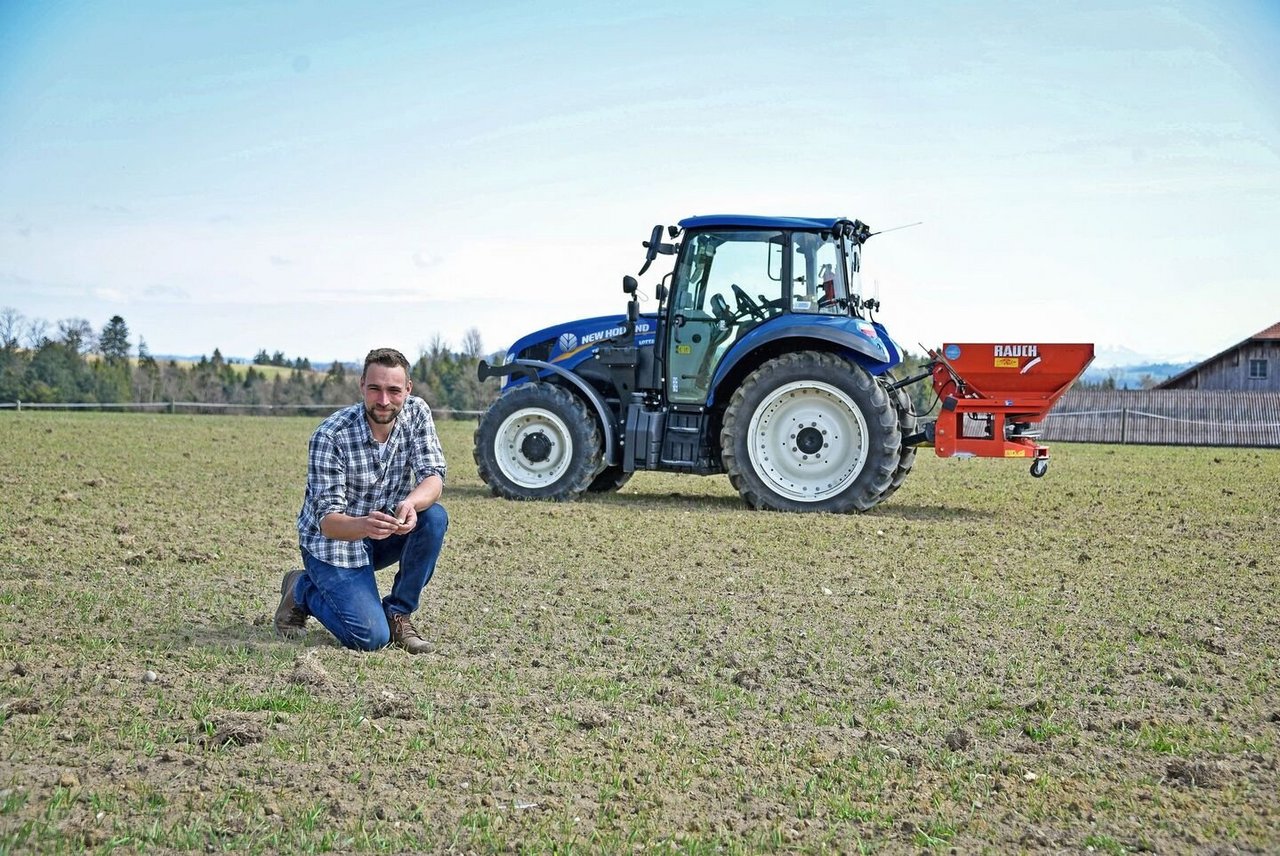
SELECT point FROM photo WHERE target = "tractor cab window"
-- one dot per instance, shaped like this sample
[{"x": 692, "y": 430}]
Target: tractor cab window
[
  {"x": 724, "y": 286},
  {"x": 818, "y": 274}
]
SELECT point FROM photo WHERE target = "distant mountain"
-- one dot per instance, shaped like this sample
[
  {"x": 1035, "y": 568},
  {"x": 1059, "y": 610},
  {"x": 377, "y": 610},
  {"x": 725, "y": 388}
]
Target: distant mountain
[
  {"x": 1133, "y": 376},
  {"x": 1110, "y": 356},
  {"x": 1129, "y": 368}
]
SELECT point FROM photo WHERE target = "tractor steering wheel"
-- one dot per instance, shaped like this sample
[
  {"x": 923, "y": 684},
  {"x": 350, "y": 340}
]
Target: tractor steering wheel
[{"x": 746, "y": 305}]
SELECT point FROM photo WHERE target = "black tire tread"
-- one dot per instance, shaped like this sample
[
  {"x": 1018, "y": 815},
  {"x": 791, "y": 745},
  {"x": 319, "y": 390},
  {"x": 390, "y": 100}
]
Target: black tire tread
[
  {"x": 556, "y": 399},
  {"x": 901, "y": 402},
  {"x": 883, "y": 421}
]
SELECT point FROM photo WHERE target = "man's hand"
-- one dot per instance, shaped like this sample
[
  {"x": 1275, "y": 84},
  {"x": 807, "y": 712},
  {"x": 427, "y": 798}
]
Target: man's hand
[
  {"x": 384, "y": 524},
  {"x": 376, "y": 525},
  {"x": 379, "y": 525},
  {"x": 409, "y": 515}
]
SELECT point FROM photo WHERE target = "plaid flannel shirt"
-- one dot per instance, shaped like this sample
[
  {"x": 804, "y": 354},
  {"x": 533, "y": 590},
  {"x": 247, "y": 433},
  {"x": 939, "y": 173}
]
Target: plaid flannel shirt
[{"x": 348, "y": 473}]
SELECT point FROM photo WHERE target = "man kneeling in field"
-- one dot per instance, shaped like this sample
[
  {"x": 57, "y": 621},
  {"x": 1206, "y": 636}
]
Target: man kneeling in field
[{"x": 374, "y": 475}]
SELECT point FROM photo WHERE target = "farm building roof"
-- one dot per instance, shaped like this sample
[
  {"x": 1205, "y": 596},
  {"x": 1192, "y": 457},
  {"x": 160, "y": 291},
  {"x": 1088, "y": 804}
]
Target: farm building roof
[{"x": 1270, "y": 334}]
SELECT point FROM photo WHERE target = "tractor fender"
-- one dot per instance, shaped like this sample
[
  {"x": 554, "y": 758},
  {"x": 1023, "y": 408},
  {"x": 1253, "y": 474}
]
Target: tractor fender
[
  {"x": 895, "y": 350},
  {"x": 588, "y": 392},
  {"x": 855, "y": 337}
]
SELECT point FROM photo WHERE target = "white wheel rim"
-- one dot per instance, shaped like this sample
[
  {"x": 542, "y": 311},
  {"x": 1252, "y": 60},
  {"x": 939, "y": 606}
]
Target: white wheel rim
[
  {"x": 784, "y": 430},
  {"x": 525, "y": 425}
]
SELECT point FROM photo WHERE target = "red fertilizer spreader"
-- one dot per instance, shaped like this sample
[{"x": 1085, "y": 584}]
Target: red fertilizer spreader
[{"x": 993, "y": 395}]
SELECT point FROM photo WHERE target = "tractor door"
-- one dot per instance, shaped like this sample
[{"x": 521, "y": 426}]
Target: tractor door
[{"x": 725, "y": 284}]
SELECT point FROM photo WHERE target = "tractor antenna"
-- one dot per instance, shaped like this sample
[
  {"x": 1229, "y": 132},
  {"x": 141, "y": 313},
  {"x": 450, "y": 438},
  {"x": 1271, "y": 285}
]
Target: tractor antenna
[{"x": 896, "y": 228}]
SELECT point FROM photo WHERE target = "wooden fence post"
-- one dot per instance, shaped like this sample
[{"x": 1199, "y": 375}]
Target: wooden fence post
[{"x": 1124, "y": 424}]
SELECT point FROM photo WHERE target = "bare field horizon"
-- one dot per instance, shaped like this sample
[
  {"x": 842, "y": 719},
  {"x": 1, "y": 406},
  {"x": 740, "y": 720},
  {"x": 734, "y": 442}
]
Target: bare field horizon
[{"x": 987, "y": 662}]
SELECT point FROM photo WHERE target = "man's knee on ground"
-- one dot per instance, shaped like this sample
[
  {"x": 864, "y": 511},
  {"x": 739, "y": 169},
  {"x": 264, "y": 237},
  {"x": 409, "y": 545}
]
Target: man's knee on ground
[{"x": 367, "y": 638}]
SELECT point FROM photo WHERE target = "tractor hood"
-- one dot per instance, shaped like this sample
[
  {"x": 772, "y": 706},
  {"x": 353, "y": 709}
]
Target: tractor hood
[{"x": 569, "y": 343}]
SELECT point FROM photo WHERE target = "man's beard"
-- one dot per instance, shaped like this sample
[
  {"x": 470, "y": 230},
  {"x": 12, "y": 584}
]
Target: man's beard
[{"x": 386, "y": 418}]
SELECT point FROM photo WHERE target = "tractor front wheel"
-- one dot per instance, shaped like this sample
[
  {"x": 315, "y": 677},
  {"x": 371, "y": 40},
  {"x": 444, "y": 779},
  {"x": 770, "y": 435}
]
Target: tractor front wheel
[
  {"x": 538, "y": 441},
  {"x": 810, "y": 431}
]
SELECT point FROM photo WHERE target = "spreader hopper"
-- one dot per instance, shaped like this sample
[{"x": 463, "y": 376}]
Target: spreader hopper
[{"x": 993, "y": 394}]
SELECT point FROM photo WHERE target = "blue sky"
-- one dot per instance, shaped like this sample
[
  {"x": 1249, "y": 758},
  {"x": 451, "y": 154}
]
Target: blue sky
[{"x": 323, "y": 178}]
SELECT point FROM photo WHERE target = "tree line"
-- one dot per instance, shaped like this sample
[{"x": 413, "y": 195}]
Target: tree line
[{"x": 70, "y": 362}]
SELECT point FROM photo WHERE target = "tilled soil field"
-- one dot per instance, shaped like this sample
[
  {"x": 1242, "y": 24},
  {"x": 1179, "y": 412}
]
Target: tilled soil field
[{"x": 1084, "y": 662}]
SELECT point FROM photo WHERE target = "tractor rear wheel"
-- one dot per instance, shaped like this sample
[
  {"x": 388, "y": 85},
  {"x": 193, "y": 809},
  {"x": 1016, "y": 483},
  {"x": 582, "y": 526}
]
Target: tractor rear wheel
[
  {"x": 810, "y": 431},
  {"x": 901, "y": 402},
  {"x": 538, "y": 441}
]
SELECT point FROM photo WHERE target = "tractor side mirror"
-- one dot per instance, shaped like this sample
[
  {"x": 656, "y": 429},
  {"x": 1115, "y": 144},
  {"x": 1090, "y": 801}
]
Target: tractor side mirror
[
  {"x": 655, "y": 238},
  {"x": 651, "y": 248},
  {"x": 629, "y": 284}
]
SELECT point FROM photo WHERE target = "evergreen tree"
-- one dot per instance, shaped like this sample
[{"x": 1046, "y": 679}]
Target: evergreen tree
[
  {"x": 111, "y": 380},
  {"x": 113, "y": 341},
  {"x": 13, "y": 366},
  {"x": 58, "y": 372}
]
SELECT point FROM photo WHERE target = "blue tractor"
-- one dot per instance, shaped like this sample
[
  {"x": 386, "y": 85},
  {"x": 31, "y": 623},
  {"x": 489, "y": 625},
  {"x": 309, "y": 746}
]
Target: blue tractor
[{"x": 762, "y": 361}]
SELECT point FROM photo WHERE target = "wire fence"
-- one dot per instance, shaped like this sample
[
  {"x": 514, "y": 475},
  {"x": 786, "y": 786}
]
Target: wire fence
[
  {"x": 1167, "y": 417},
  {"x": 212, "y": 407}
]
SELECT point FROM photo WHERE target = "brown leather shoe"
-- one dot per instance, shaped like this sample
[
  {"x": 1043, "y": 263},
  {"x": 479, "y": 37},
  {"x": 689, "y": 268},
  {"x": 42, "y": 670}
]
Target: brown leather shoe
[
  {"x": 404, "y": 634},
  {"x": 291, "y": 619}
]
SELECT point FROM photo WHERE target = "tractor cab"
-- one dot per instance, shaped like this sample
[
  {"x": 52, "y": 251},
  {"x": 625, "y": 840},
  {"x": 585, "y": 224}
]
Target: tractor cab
[{"x": 736, "y": 274}]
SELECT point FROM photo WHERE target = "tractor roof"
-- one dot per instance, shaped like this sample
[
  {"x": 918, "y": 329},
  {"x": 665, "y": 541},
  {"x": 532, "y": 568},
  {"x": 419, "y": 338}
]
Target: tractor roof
[{"x": 707, "y": 221}]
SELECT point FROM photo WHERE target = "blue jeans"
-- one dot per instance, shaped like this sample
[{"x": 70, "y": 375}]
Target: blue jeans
[{"x": 345, "y": 600}]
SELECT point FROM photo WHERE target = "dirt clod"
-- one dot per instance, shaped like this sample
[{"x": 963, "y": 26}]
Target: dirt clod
[
  {"x": 673, "y": 696},
  {"x": 1195, "y": 774},
  {"x": 23, "y": 705},
  {"x": 231, "y": 730},
  {"x": 393, "y": 705},
  {"x": 593, "y": 718},
  {"x": 308, "y": 672},
  {"x": 958, "y": 740}
]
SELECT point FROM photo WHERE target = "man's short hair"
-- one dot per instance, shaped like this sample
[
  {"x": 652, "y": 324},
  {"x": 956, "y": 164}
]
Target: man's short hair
[{"x": 388, "y": 357}]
